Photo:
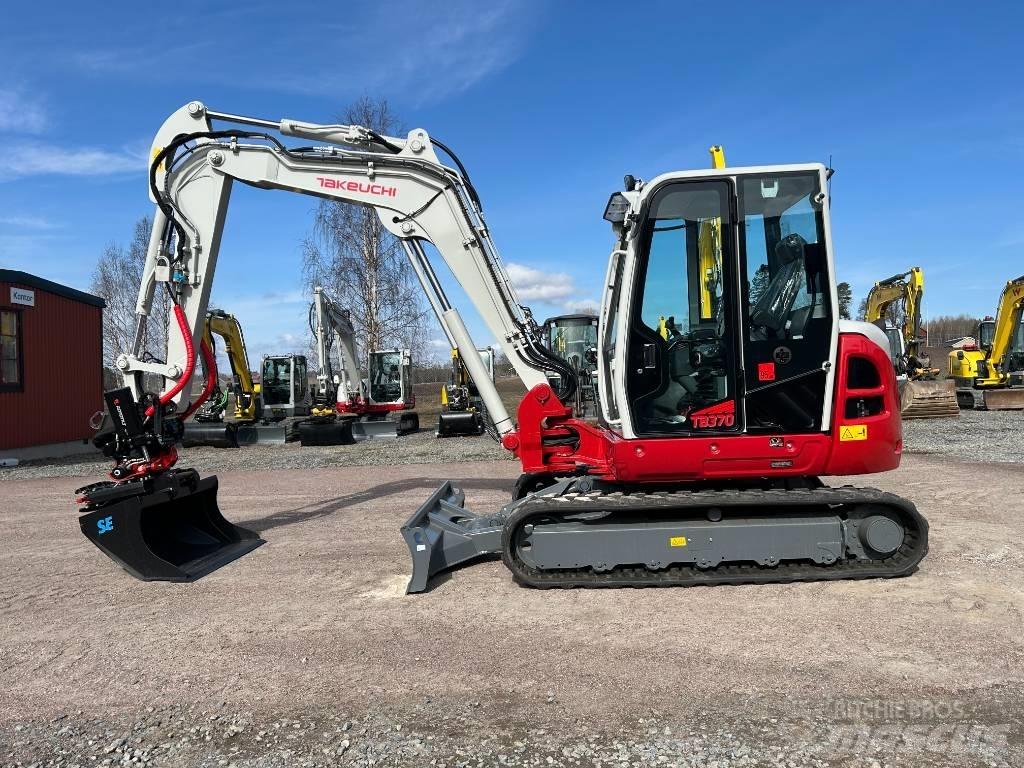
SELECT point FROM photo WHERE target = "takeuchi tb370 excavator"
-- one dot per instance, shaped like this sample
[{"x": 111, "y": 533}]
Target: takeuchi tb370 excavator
[{"x": 704, "y": 466}]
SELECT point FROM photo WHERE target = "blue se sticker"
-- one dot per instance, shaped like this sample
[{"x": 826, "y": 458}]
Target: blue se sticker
[{"x": 105, "y": 525}]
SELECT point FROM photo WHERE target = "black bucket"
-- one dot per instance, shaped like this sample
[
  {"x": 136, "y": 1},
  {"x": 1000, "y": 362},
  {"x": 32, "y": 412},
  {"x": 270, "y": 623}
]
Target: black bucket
[
  {"x": 217, "y": 434},
  {"x": 174, "y": 532},
  {"x": 326, "y": 432},
  {"x": 459, "y": 424}
]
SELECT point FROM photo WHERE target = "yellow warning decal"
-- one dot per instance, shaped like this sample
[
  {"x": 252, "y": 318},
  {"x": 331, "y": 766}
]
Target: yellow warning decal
[
  {"x": 152, "y": 157},
  {"x": 677, "y": 541},
  {"x": 853, "y": 432}
]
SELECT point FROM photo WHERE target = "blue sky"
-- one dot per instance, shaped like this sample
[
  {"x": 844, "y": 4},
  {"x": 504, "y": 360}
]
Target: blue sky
[{"x": 919, "y": 105}]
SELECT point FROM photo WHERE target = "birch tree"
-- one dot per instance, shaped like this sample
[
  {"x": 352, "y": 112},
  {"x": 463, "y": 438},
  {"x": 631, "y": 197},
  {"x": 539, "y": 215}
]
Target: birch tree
[
  {"x": 363, "y": 266},
  {"x": 116, "y": 279}
]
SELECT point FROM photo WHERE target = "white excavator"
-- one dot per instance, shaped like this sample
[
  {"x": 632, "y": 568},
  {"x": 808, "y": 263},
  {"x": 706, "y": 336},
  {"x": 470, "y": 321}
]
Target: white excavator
[
  {"x": 345, "y": 407},
  {"x": 719, "y": 408}
]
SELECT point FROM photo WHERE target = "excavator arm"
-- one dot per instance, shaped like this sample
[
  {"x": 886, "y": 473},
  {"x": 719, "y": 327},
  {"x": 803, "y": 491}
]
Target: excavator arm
[
  {"x": 332, "y": 327},
  {"x": 417, "y": 198},
  {"x": 908, "y": 288}
]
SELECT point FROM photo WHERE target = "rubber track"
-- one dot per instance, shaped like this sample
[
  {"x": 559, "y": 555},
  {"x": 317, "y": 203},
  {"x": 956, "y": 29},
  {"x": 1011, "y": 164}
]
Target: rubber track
[{"x": 901, "y": 563}]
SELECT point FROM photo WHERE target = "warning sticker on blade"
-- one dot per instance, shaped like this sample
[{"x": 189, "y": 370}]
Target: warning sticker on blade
[
  {"x": 853, "y": 432},
  {"x": 677, "y": 541}
]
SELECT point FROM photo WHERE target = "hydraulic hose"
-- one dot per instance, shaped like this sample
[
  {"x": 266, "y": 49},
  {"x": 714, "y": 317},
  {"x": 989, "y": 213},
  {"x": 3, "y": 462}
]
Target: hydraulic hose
[
  {"x": 210, "y": 364},
  {"x": 190, "y": 360}
]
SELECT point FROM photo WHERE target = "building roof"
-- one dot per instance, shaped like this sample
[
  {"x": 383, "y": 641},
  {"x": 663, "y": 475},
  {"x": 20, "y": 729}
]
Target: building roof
[{"x": 31, "y": 281}]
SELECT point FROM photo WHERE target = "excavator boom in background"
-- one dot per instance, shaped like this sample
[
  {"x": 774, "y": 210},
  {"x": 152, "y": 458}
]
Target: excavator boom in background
[
  {"x": 923, "y": 394},
  {"x": 208, "y": 426},
  {"x": 704, "y": 465},
  {"x": 991, "y": 375}
]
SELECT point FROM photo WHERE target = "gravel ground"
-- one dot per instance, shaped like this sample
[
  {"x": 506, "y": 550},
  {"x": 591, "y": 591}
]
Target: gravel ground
[
  {"x": 306, "y": 652},
  {"x": 973, "y": 436},
  {"x": 988, "y": 436},
  {"x": 419, "y": 448}
]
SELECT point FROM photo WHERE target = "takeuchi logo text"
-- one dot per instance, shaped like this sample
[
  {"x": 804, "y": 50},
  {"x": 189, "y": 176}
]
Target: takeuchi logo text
[{"x": 357, "y": 186}]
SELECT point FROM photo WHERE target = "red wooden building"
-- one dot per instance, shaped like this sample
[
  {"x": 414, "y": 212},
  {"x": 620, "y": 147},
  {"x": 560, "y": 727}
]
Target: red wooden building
[{"x": 51, "y": 362}]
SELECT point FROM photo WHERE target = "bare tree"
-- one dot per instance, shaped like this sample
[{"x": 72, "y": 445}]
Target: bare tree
[
  {"x": 116, "y": 278},
  {"x": 352, "y": 255},
  {"x": 947, "y": 328}
]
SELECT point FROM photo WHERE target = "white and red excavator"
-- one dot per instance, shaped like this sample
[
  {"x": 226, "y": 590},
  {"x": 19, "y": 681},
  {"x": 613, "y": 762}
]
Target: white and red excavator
[
  {"x": 345, "y": 407},
  {"x": 723, "y": 398}
]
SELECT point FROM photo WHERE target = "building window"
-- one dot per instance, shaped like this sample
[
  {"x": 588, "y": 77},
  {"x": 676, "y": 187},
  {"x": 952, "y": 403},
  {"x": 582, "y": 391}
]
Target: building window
[{"x": 10, "y": 351}]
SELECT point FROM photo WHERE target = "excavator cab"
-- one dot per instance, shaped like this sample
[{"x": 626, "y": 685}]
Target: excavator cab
[
  {"x": 986, "y": 333},
  {"x": 390, "y": 378},
  {"x": 285, "y": 387},
  {"x": 729, "y": 310},
  {"x": 574, "y": 339}
]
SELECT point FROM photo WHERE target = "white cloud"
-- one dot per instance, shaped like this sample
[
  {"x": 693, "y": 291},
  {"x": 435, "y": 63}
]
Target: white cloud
[
  {"x": 540, "y": 285},
  {"x": 434, "y": 52},
  {"x": 582, "y": 306},
  {"x": 20, "y": 113},
  {"x": 29, "y": 222},
  {"x": 21, "y": 159}
]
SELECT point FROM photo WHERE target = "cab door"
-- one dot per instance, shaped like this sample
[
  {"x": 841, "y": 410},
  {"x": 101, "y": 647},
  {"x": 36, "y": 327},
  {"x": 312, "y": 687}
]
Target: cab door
[
  {"x": 682, "y": 372},
  {"x": 788, "y": 318}
]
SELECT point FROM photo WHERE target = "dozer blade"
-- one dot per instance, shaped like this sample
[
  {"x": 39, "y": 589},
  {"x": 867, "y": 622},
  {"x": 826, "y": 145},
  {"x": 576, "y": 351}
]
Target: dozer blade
[
  {"x": 247, "y": 434},
  {"x": 460, "y": 424},
  {"x": 929, "y": 399},
  {"x": 1004, "y": 399},
  {"x": 165, "y": 529},
  {"x": 273, "y": 433},
  {"x": 442, "y": 534},
  {"x": 399, "y": 424},
  {"x": 213, "y": 433}
]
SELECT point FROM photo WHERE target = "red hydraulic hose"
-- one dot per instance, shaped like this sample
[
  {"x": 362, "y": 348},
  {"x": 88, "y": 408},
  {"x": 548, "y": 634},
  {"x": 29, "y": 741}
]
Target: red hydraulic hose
[
  {"x": 210, "y": 365},
  {"x": 190, "y": 360}
]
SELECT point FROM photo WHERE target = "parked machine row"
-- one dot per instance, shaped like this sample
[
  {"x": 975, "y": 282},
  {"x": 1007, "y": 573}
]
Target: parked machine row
[{"x": 726, "y": 382}]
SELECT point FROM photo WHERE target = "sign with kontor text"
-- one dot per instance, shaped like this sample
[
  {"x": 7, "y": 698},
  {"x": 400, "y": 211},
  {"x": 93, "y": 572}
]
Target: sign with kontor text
[{"x": 23, "y": 296}]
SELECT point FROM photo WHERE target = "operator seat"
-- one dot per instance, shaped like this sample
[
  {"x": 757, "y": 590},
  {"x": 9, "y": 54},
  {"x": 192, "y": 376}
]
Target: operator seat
[{"x": 771, "y": 311}]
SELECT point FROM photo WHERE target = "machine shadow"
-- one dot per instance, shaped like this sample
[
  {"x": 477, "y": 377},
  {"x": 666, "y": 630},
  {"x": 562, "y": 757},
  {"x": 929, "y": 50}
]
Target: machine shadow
[{"x": 331, "y": 506}]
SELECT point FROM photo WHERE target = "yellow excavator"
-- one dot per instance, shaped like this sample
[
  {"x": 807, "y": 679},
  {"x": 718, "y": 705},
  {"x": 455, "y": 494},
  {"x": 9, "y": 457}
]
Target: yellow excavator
[
  {"x": 990, "y": 374},
  {"x": 923, "y": 394},
  {"x": 463, "y": 413},
  {"x": 209, "y": 427}
]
